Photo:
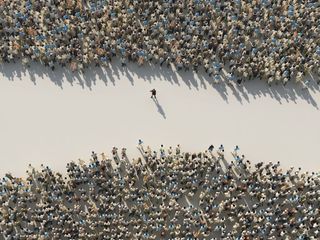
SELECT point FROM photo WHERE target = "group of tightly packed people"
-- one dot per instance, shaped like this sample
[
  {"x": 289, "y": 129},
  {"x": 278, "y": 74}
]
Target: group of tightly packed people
[
  {"x": 165, "y": 194},
  {"x": 274, "y": 40}
]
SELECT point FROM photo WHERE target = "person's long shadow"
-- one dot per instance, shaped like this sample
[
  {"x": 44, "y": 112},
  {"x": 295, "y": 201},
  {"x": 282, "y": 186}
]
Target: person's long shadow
[{"x": 160, "y": 109}]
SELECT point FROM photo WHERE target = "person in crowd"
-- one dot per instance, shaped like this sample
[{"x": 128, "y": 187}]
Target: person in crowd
[{"x": 210, "y": 148}]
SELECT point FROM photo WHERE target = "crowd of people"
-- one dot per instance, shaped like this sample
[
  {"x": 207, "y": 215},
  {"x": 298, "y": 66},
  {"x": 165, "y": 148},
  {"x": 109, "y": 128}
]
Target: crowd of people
[
  {"x": 165, "y": 194},
  {"x": 277, "y": 41}
]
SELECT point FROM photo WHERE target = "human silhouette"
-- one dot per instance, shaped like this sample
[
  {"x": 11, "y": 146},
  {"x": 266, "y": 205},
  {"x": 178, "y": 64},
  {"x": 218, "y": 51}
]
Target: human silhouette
[{"x": 153, "y": 94}]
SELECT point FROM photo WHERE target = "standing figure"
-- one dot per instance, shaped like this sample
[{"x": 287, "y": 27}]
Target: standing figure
[{"x": 153, "y": 93}]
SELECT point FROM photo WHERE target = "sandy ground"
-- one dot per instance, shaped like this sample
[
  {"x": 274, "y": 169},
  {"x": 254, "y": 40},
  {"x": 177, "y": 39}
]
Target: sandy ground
[{"x": 56, "y": 117}]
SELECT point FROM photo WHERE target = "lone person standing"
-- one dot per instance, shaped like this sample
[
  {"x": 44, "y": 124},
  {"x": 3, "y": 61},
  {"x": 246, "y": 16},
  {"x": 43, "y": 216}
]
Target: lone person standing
[{"x": 153, "y": 93}]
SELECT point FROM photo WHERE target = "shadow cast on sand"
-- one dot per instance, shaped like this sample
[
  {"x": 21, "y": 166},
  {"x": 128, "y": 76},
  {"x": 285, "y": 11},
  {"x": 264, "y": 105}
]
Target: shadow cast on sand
[
  {"x": 160, "y": 109},
  {"x": 113, "y": 72}
]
